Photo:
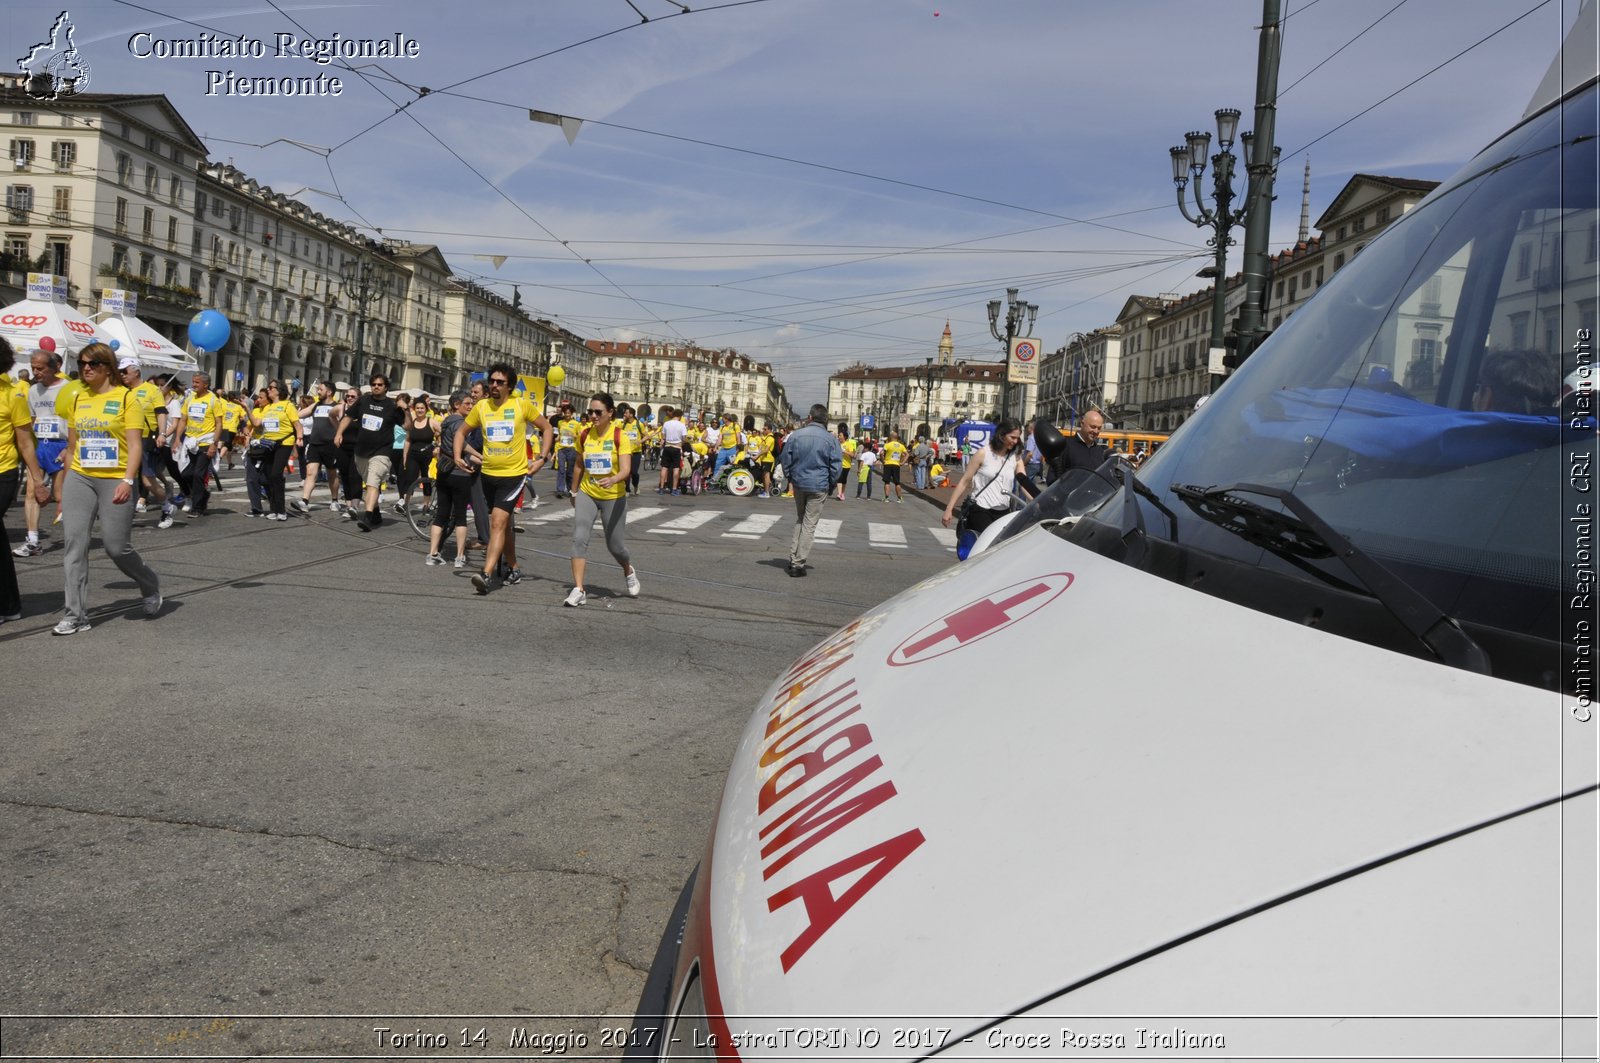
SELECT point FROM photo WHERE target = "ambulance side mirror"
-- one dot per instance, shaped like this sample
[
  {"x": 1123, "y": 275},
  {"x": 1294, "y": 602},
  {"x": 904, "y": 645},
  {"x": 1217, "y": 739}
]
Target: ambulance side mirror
[{"x": 1052, "y": 444}]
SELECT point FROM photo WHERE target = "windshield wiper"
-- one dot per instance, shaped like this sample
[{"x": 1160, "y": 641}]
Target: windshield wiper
[{"x": 1305, "y": 535}]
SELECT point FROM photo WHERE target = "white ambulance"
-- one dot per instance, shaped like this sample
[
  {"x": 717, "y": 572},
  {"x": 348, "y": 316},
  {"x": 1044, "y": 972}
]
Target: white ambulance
[{"x": 1281, "y": 747}]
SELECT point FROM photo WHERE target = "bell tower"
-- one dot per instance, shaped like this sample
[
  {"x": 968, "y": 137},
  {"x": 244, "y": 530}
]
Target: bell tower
[{"x": 947, "y": 347}]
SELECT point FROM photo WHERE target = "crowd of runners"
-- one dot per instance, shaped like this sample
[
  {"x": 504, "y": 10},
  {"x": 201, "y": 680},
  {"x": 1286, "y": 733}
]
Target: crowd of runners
[{"x": 96, "y": 441}]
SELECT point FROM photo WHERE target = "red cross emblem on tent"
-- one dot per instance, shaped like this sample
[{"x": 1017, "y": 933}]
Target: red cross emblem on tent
[{"x": 980, "y": 619}]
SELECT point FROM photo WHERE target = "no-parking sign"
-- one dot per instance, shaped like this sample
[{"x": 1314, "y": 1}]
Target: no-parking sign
[{"x": 1022, "y": 367}]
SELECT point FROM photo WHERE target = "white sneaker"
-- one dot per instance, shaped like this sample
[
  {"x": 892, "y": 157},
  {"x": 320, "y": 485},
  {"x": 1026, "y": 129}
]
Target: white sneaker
[
  {"x": 165, "y": 521},
  {"x": 140, "y": 507},
  {"x": 69, "y": 626},
  {"x": 434, "y": 559},
  {"x": 188, "y": 507},
  {"x": 576, "y": 597},
  {"x": 31, "y": 548},
  {"x": 152, "y": 604},
  {"x": 633, "y": 584},
  {"x": 300, "y": 505},
  {"x": 459, "y": 562}
]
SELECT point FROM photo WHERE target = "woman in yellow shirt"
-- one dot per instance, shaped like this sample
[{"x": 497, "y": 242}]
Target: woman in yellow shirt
[
  {"x": 276, "y": 431},
  {"x": 105, "y": 438},
  {"x": 605, "y": 458}
]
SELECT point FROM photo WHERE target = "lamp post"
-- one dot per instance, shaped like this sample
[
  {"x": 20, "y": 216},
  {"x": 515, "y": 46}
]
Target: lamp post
[
  {"x": 362, "y": 289},
  {"x": 608, "y": 373},
  {"x": 1261, "y": 164},
  {"x": 931, "y": 372},
  {"x": 1016, "y": 311}
]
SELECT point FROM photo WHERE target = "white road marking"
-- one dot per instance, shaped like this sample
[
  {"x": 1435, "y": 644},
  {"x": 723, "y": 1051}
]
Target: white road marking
[
  {"x": 946, "y": 537},
  {"x": 886, "y": 536},
  {"x": 753, "y": 527},
  {"x": 688, "y": 522},
  {"x": 828, "y": 530}
]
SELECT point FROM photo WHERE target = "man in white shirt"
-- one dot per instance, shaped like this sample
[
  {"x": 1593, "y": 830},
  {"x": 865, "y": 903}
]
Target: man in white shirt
[
  {"x": 50, "y": 434},
  {"x": 673, "y": 434}
]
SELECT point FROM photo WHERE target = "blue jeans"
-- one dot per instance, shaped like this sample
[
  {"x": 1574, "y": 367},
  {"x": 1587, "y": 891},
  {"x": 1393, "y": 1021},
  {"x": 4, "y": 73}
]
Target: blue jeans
[
  {"x": 922, "y": 477},
  {"x": 566, "y": 462},
  {"x": 724, "y": 456}
]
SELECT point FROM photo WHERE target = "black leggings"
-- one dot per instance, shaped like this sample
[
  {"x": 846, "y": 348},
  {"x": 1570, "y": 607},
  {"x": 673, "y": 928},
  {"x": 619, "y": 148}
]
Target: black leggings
[
  {"x": 10, "y": 593},
  {"x": 416, "y": 468},
  {"x": 271, "y": 468},
  {"x": 454, "y": 492}
]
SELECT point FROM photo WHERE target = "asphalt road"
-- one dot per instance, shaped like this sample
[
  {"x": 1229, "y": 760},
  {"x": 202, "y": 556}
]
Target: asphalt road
[{"x": 330, "y": 790}]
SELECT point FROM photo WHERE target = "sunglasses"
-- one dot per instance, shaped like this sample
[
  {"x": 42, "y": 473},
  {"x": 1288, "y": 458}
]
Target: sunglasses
[
  {"x": 90, "y": 364},
  {"x": 496, "y": 381},
  {"x": 595, "y": 413}
]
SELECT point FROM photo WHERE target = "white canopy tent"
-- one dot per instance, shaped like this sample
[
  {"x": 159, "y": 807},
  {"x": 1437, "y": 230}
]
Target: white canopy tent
[
  {"x": 24, "y": 324},
  {"x": 154, "y": 351}
]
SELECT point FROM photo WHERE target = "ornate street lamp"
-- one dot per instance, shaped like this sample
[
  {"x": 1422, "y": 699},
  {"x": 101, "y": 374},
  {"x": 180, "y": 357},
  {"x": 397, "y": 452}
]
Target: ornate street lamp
[
  {"x": 363, "y": 289},
  {"x": 1016, "y": 311},
  {"x": 1189, "y": 161}
]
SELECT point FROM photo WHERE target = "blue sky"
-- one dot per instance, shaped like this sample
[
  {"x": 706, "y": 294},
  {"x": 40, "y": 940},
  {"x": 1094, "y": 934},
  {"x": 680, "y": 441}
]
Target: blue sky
[{"x": 992, "y": 143}]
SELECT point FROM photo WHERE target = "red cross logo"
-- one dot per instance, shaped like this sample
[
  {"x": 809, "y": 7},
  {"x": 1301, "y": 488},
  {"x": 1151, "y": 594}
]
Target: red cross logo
[{"x": 980, "y": 619}]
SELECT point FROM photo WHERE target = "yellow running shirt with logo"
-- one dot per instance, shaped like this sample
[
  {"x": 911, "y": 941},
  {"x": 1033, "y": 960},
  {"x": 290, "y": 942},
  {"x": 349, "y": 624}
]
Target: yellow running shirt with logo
[
  {"x": 276, "y": 420},
  {"x": 505, "y": 434},
  {"x": 15, "y": 413},
  {"x": 200, "y": 414},
  {"x": 147, "y": 399},
  {"x": 601, "y": 458},
  {"x": 100, "y": 424}
]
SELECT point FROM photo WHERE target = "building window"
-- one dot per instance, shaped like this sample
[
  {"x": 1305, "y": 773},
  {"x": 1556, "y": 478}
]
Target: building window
[
  {"x": 170, "y": 278},
  {"x": 17, "y": 245},
  {"x": 147, "y": 266},
  {"x": 1338, "y": 262},
  {"x": 1343, "y": 232},
  {"x": 1360, "y": 224},
  {"x": 62, "y": 210},
  {"x": 1519, "y": 330},
  {"x": 175, "y": 190},
  {"x": 122, "y": 215},
  {"x": 172, "y": 232},
  {"x": 147, "y": 230},
  {"x": 21, "y": 154},
  {"x": 64, "y": 153},
  {"x": 1319, "y": 276},
  {"x": 119, "y": 257},
  {"x": 1524, "y": 262},
  {"x": 19, "y": 202},
  {"x": 124, "y": 167},
  {"x": 1383, "y": 215}
]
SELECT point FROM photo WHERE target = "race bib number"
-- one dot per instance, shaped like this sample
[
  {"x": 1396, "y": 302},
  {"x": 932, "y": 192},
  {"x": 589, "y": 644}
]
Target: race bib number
[
  {"x": 48, "y": 428},
  {"x": 371, "y": 422},
  {"x": 597, "y": 464},
  {"x": 567, "y": 438},
  {"x": 100, "y": 452},
  {"x": 499, "y": 431},
  {"x": 269, "y": 424},
  {"x": 322, "y": 411},
  {"x": 197, "y": 411}
]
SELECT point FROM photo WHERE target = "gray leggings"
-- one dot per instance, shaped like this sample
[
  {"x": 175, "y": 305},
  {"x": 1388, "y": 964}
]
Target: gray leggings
[
  {"x": 613, "y": 514},
  {"x": 82, "y": 498}
]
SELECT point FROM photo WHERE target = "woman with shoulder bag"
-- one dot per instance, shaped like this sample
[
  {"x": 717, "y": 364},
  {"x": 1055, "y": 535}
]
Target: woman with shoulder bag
[
  {"x": 996, "y": 469},
  {"x": 275, "y": 428}
]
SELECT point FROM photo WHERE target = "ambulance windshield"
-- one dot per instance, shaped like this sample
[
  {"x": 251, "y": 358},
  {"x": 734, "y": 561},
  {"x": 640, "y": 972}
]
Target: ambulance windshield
[{"x": 1427, "y": 402}]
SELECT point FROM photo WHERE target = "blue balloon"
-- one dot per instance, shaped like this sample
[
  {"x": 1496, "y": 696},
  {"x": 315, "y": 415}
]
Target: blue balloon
[
  {"x": 209, "y": 330},
  {"x": 115, "y": 344}
]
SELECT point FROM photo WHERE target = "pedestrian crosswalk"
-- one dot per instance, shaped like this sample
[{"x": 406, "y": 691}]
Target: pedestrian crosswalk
[{"x": 832, "y": 532}]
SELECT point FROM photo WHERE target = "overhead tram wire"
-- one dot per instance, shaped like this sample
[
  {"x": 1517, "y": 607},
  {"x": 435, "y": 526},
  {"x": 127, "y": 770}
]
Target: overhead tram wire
[
  {"x": 1285, "y": 91},
  {"x": 473, "y": 169},
  {"x": 1415, "y": 80},
  {"x": 446, "y": 90}
]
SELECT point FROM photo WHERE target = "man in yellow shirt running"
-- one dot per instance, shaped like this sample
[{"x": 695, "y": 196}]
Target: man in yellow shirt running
[
  {"x": 503, "y": 418},
  {"x": 894, "y": 453}
]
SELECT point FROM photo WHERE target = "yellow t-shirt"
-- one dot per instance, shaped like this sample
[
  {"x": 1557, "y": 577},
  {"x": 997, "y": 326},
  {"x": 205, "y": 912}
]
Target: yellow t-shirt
[
  {"x": 201, "y": 414},
  {"x": 567, "y": 430},
  {"x": 147, "y": 397},
  {"x": 276, "y": 420},
  {"x": 767, "y": 443},
  {"x": 894, "y": 452},
  {"x": 633, "y": 436},
  {"x": 602, "y": 457},
  {"x": 849, "y": 449},
  {"x": 14, "y": 413},
  {"x": 505, "y": 433},
  {"x": 100, "y": 424},
  {"x": 231, "y": 414},
  {"x": 728, "y": 436}
]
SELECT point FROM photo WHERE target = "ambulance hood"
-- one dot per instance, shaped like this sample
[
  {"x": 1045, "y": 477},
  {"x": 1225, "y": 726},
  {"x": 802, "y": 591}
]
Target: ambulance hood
[{"x": 1042, "y": 769}]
